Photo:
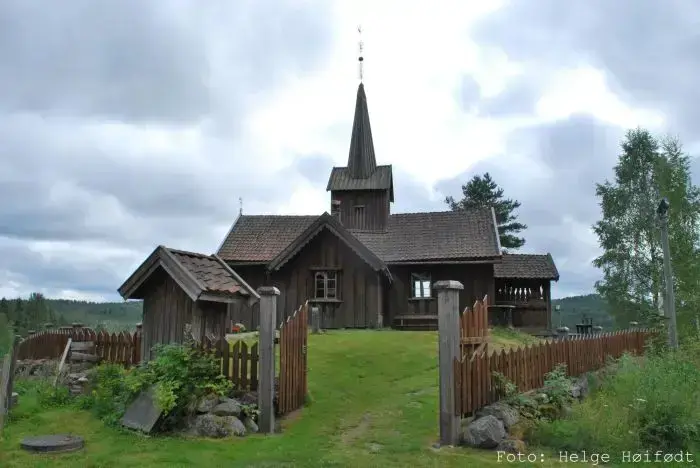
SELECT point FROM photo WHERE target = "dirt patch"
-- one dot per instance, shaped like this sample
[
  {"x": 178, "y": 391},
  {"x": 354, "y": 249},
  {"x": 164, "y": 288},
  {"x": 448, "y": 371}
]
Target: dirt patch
[{"x": 353, "y": 433}]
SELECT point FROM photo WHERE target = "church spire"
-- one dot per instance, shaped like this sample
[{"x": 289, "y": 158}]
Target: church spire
[{"x": 361, "y": 160}]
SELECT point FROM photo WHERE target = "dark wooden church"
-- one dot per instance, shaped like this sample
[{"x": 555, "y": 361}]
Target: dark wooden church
[{"x": 366, "y": 267}]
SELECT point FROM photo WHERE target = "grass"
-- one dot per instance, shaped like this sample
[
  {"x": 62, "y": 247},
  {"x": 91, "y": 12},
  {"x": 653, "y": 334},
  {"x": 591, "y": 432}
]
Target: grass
[
  {"x": 647, "y": 404},
  {"x": 374, "y": 404}
]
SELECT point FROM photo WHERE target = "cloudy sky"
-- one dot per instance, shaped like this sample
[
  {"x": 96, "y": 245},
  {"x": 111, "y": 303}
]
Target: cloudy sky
[{"x": 126, "y": 124}]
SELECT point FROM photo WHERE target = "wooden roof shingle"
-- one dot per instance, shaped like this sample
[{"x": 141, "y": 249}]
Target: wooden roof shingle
[
  {"x": 526, "y": 266},
  {"x": 201, "y": 276},
  {"x": 444, "y": 235}
]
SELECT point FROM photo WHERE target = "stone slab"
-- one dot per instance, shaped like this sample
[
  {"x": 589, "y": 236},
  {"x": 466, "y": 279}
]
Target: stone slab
[{"x": 143, "y": 413}]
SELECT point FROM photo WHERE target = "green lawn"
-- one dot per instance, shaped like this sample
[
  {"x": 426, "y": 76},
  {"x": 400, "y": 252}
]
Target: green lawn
[{"x": 375, "y": 400}]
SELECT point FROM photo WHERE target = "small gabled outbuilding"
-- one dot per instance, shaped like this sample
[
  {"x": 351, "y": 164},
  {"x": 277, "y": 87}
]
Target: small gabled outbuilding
[{"x": 185, "y": 292}]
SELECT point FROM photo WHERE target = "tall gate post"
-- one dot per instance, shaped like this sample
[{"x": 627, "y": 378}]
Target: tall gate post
[
  {"x": 448, "y": 331},
  {"x": 266, "y": 383}
]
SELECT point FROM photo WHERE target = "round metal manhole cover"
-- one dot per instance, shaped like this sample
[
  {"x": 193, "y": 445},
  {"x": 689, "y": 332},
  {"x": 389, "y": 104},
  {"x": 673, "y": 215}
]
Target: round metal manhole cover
[{"x": 53, "y": 443}]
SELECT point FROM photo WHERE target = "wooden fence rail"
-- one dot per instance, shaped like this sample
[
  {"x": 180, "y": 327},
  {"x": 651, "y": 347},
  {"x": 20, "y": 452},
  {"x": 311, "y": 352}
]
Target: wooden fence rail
[
  {"x": 119, "y": 348},
  {"x": 293, "y": 370},
  {"x": 476, "y": 387}
]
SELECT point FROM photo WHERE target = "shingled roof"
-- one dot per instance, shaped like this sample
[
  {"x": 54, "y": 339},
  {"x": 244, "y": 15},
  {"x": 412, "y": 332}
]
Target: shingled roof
[
  {"x": 260, "y": 238},
  {"x": 441, "y": 235},
  {"x": 201, "y": 276},
  {"x": 526, "y": 266},
  {"x": 381, "y": 179},
  {"x": 444, "y": 235}
]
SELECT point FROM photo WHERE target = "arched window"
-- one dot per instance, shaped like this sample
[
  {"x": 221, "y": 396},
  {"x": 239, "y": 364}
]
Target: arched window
[{"x": 325, "y": 285}]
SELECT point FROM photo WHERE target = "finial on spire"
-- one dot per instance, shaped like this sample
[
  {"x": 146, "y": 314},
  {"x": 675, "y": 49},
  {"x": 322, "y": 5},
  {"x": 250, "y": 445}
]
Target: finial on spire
[
  {"x": 240, "y": 203},
  {"x": 360, "y": 58}
]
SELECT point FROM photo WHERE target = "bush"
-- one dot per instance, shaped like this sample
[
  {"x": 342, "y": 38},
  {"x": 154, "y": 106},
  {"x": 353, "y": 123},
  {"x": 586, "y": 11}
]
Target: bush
[
  {"x": 112, "y": 391},
  {"x": 179, "y": 375},
  {"x": 49, "y": 396},
  {"x": 647, "y": 404}
]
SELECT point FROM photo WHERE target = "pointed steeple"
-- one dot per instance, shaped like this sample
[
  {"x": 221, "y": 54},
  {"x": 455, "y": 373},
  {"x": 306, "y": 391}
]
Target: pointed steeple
[{"x": 361, "y": 161}]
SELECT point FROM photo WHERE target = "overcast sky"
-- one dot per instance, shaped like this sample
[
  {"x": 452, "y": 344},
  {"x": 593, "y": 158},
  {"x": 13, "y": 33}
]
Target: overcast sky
[{"x": 126, "y": 124}]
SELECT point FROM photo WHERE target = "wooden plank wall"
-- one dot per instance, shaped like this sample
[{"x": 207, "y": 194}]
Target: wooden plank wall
[
  {"x": 166, "y": 310},
  {"x": 476, "y": 278},
  {"x": 293, "y": 365},
  {"x": 527, "y": 366},
  {"x": 359, "y": 287},
  {"x": 376, "y": 209}
]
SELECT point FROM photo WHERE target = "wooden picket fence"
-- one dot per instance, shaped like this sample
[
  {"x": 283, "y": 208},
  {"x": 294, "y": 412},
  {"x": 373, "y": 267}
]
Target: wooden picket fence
[
  {"x": 239, "y": 362},
  {"x": 120, "y": 348},
  {"x": 476, "y": 387},
  {"x": 293, "y": 366},
  {"x": 474, "y": 329}
]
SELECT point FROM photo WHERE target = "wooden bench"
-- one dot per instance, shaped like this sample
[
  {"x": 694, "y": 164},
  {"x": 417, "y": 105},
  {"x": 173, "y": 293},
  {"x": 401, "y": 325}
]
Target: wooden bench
[{"x": 416, "y": 322}]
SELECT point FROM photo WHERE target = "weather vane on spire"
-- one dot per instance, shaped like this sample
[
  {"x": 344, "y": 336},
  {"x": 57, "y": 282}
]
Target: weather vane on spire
[{"x": 360, "y": 58}]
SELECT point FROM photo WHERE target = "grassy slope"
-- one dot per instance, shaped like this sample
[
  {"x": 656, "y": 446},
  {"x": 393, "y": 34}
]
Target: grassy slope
[{"x": 368, "y": 387}]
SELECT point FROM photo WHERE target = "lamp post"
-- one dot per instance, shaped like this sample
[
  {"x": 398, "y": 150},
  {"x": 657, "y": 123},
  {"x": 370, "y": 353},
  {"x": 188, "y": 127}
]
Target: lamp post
[{"x": 669, "y": 300}]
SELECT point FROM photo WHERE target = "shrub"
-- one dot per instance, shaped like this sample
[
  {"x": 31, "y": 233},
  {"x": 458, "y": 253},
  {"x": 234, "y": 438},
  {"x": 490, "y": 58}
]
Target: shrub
[
  {"x": 49, "y": 396},
  {"x": 647, "y": 404},
  {"x": 113, "y": 389},
  {"x": 557, "y": 386}
]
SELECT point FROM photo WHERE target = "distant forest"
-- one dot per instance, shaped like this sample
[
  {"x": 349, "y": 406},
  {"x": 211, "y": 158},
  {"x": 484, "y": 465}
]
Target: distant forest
[{"x": 591, "y": 306}]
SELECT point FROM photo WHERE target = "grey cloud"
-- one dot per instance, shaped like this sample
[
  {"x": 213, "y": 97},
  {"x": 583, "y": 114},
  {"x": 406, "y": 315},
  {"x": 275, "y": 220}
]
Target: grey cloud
[
  {"x": 150, "y": 61},
  {"x": 519, "y": 97},
  {"x": 74, "y": 76},
  {"x": 574, "y": 154},
  {"x": 647, "y": 49},
  {"x": 57, "y": 273}
]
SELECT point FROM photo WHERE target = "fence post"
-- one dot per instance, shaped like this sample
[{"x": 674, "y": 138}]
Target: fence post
[
  {"x": 315, "y": 321},
  {"x": 448, "y": 331},
  {"x": 266, "y": 385}
]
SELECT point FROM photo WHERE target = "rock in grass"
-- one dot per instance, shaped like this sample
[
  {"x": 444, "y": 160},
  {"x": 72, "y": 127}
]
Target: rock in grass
[
  {"x": 514, "y": 446},
  {"x": 227, "y": 407},
  {"x": 501, "y": 411},
  {"x": 250, "y": 425},
  {"x": 207, "y": 403},
  {"x": 486, "y": 432},
  {"x": 210, "y": 425}
]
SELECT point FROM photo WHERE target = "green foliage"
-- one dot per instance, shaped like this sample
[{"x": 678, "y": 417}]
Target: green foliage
[
  {"x": 557, "y": 386},
  {"x": 113, "y": 388},
  {"x": 50, "y": 396},
  {"x": 6, "y": 333},
  {"x": 647, "y": 404},
  {"x": 482, "y": 191},
  {"x": 629, "y": 234}
]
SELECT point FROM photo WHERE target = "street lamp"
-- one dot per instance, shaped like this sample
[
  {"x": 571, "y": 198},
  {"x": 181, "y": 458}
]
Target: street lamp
[{"x": 669, "y": 300}]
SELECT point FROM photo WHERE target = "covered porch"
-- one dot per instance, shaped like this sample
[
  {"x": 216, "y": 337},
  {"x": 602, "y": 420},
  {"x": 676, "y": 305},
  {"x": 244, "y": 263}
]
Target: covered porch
[{"x": 523, "y": 293}]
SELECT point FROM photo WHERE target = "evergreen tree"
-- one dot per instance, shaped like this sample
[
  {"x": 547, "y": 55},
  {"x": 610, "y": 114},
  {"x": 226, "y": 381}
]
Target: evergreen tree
[
  {"x": 482, "y": 191},
  {"x": 628, "y": 233}
]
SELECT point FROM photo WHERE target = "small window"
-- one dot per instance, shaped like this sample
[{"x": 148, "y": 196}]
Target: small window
[
  {"x": 359, "y": 215},
  {"x": 326, "y": 285},
  {"x": 420, "y": 286}
]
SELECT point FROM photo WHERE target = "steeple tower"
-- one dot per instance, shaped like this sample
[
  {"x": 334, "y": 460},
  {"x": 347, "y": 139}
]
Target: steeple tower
[
  {"x": 361, "y": 192},
  {"x": 361, "y": 161}
]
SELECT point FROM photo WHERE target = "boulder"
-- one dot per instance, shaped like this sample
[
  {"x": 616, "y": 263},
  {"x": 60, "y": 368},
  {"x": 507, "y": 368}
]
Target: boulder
[
  {"x": 227, "y": 407},
  {"x": 579, "y": 387},
  {"x": 210, "y": 425},
  {"x": 501, "y": 411},
  {"x": 250, "y": 425},
  {"x": 514, "y": 446},
  {"x": 207, "y": 403},
  {"x": 486, "y": 432}
]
